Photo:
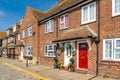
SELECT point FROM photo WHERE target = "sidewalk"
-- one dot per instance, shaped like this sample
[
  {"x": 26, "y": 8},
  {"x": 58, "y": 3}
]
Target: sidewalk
[{"x": 53, "y": 74}]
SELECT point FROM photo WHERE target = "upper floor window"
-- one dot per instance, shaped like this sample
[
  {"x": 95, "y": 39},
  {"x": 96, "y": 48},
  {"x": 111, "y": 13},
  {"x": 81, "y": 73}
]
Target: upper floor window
[
  {"x": 30, "y": 31},
  {"x": 50, "y": 50},
  {"x": 19, "y": 36},
  {"x": 111, "y": 49},
  {"x": 29, "y": 51},
  {"x": 23, "y": 33},
  {"x": 115, "y": 7},
  {"x": 89, "y": 13},
  {"x": 7, "y": 32},
  {"x": 49, "y": 26},
  {"x": 14, "y": 28},
  {"x": 64, "y": 21}
]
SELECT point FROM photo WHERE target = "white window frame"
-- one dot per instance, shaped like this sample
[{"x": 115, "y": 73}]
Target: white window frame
[
  {"x": 7, "y": 32},
  {"x": 30, "y": 31},
  {"x": 113, "y": 49},
  {"x": 18, "y": 36},
  {"x": 30, "y": 51},
  {"x": 49, "y": 26},
  {"x": 88, "y": 12},
  {"x": 12, "y": 39},
  {"x": 23, "y": 33},
  {"x": 113, "y": 9},
  {"x": 47, "y": 52},
  {"x": 14, "y": 28},
  {"x": 61, "y": 22}
]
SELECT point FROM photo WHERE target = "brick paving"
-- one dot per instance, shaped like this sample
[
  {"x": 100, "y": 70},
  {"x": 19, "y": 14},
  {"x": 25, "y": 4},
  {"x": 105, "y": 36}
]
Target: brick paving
[{"x": 52, "y": 74}]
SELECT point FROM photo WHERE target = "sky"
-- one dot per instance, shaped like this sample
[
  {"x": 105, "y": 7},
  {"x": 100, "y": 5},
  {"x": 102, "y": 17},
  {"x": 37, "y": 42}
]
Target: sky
[{"x": 12, "y": 11}]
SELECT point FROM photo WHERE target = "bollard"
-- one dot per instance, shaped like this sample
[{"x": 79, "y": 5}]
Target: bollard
[{"x": 27, "y": 62}]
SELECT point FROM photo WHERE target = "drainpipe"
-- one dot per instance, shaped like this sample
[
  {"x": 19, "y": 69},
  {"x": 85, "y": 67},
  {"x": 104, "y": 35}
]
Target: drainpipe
[{"x": 97, "y": 41}]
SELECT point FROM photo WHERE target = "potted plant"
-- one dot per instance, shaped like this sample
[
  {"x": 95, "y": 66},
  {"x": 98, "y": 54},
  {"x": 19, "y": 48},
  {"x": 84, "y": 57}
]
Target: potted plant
[
  {"x": 60, "y": 65},
  {"x": 56, "y": 61},
  {"x": 71, "y": 65},
  {"x": 74, "y": 52}
]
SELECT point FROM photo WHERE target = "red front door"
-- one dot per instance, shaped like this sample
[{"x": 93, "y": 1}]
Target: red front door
[{"x": 83, "y": 55}]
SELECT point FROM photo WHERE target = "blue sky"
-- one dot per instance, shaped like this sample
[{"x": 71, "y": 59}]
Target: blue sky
[{"x": 12, "y": 11}]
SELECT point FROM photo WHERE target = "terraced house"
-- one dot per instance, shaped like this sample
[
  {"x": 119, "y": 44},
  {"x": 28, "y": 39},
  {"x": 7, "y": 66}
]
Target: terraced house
[
  {"x": 85, "y": 30},
  {"x": 88, "y": 27},
  {"x": 11, "y": 42},
  {"x": 30, "y": 35}
]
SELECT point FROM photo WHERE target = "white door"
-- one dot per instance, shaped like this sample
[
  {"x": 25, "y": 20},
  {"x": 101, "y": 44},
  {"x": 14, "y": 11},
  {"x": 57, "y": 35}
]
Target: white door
[
  {"x": 67, "y": 53},
  {"x": 21, "y": 53}
]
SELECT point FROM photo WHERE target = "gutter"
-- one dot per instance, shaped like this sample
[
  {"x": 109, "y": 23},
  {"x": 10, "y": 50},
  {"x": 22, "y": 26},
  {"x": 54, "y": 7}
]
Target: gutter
[{"x": 64, "y": 10}]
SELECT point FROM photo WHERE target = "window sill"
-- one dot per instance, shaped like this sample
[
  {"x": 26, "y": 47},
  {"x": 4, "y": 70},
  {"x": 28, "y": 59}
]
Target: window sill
[
  {"x": 115, "y": 15},
  {"x": 89, "y": 22},
  {"x": 111, "y": 61},
  {"x": 63, "y": 29},
  {"x": 48, "y": 33}
]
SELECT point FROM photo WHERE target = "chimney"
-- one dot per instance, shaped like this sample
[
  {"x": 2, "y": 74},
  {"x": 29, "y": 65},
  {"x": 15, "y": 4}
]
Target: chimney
[{"x": 59, "y": 1}]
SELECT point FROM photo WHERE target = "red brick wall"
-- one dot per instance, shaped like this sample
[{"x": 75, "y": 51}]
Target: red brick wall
[
  {"x": 109, "y": 29},
  {"x": 44, "y": 40},
  {"x": 74, "y": 22},
  {"x": 30, "y": 20}
]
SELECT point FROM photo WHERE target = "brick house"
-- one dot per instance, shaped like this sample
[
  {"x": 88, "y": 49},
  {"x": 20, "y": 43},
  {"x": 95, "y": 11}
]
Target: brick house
[
  {"x": 10, "y": 42},
  {"x": 62, "y": 29},
  {"x": 90, "y": 27},
  {"x": 109, "y": 50},
  {"x": 29, "y": 35}
]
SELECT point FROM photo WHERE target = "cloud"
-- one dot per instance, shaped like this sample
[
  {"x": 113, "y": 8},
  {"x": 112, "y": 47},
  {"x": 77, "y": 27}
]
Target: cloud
[{"x": 2, "y": 13}]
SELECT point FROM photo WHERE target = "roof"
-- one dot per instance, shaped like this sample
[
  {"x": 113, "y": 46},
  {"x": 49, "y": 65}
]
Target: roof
[
  {"x": 83, "y": 33},
  {"x": 60, "y": 7},
  {"x": 38, "y": 14},
  {"x": 2, "y": 34}
]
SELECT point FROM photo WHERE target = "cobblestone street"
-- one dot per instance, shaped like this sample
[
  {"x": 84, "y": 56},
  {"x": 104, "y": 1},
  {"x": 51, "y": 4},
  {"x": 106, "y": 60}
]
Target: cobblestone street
[{"x": 8, "y": 73}]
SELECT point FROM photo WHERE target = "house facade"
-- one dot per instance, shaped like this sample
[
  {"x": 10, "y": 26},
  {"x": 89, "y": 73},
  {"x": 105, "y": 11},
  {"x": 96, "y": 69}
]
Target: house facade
[
  {"x": 10, "y": 43},
  {"x": 70, "y": 33},
  {"x": 29, "y": 35},
  {"x": 91, "y": 28},
  {"x": 109, "y": 55}
]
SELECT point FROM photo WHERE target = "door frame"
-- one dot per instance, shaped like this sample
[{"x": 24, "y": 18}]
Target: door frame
[
  {"x": 66, "y": 51},
  {"x": 88, "y": 41}
]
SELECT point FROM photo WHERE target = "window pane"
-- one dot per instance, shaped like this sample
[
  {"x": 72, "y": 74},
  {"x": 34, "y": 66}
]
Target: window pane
[
  {"x": 118, "y": 43},
  {"x": 108, "y": 49},
  {"x": 92, "y": 11},
  {"x": 117, "y": 6},
  {"x": 66, "y": 21},
  {"x": 117, "y": 54},
  {"x": 85, "y": 14},
  {"x": 51, "y": 25}
]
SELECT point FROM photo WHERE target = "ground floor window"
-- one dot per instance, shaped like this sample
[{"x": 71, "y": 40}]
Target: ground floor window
[
  {"x": 111, "y": 49},
  {"x": 50, "y": 50},
  {"x": 29, "y": 51}
]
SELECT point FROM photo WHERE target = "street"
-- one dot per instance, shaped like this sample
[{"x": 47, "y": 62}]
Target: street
[{"x": 8, "y": 73}]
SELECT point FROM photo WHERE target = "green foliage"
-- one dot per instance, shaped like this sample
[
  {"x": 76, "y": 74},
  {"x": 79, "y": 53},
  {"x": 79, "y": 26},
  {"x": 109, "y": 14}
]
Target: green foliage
[
  {"x": 72, "y": 60},
  {"x": 55, "y": 59}
]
